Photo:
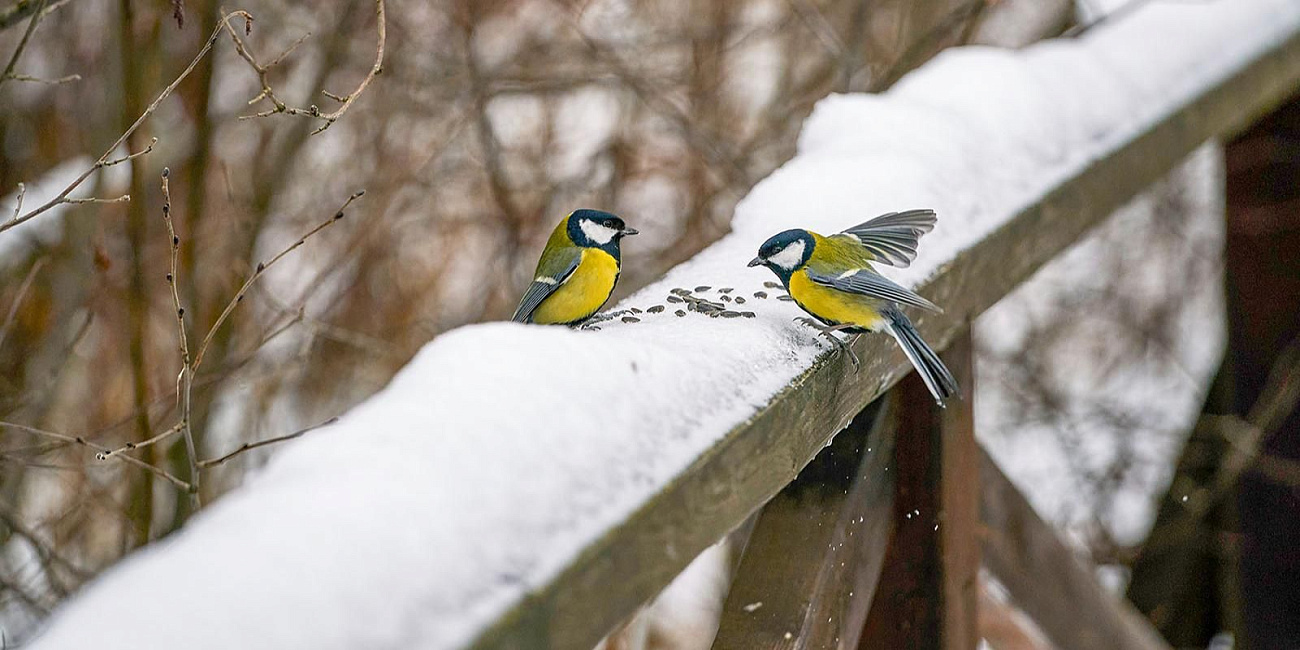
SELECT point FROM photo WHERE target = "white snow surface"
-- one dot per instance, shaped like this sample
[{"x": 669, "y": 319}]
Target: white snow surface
[{"x": 502, "y": 450}]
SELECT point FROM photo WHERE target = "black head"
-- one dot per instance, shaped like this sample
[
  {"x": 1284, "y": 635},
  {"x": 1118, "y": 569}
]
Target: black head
[
  {"x": 785, "y": 252},
  {"x": 596, "y": 229}
]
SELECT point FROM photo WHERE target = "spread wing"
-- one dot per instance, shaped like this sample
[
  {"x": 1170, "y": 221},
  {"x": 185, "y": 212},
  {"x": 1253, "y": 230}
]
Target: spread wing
[
  {"x": 893, "y": 237},
  {"x": 554, "y": 269},
  {"x": 864, "y": 282}
]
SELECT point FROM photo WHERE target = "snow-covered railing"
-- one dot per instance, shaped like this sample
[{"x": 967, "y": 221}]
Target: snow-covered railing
[{"x": 530, "y": 487}]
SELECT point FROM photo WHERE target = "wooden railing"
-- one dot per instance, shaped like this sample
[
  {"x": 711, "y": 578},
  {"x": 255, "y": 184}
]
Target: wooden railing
[{"x": 855, "y": 568}]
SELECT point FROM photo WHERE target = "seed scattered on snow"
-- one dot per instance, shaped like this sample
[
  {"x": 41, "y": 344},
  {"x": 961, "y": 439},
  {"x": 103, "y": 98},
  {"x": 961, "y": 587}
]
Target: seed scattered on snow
[
  {"x": 748, "y": 314},
  {"x": 730, "y": 314},
  {"x": 655, "y": 309},
  {"x": 785, "y": 298},
  {"x": 593, "y": 328},
  {"x": 726, "y": 290},
  {"x": 680, "y": 313},
  {"x": 740, "y": 300},
  {"x": 631, "y": 319},
  {"x": 678, "y": 291},
  {"x": 771, "y": 285},
  {"x": 726, "y": 298},
  {"x": 674, "y": 299},
  {"x": 635, "y": 310},
  {"x": 761, "y": 295},
  {"x": 702, "y": 288}
]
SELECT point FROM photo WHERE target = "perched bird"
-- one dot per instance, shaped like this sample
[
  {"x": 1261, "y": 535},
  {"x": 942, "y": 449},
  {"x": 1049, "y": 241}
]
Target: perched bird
[
  {"x": 577, "y": 271},
  {"x": 831, "y": 278}
]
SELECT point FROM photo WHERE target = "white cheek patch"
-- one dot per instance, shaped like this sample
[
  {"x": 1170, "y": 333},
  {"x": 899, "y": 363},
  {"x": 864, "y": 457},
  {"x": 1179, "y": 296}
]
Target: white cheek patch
[
  {"x": 596, "y": 232},
  {"x": 790, "y": 256}
]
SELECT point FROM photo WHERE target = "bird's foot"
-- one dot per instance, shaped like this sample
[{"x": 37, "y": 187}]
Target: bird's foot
[
  {"x": 828, "y": 331},
  {"x": 597, "y": 319}
]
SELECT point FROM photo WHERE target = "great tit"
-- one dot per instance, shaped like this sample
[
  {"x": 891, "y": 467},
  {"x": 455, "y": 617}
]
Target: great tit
[
  {"x": 577, "y": 272},
  {"x": 831, "y": 278}
]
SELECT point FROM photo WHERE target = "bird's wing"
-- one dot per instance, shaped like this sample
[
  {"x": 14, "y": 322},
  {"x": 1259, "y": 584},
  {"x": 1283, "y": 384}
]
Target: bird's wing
[
  {"x": 553, "y": 271},
  {"x": 892, "y": 238},
  {"x": 865, "y": 282}
]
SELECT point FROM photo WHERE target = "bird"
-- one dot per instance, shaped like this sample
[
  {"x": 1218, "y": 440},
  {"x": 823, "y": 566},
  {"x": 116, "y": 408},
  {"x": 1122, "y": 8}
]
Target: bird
[
  {"x": 832, "y": 279},
  {"x": 577, "y": 271}
]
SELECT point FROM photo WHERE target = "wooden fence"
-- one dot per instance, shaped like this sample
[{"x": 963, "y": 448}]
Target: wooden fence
[{"x": 839, "y": 563}]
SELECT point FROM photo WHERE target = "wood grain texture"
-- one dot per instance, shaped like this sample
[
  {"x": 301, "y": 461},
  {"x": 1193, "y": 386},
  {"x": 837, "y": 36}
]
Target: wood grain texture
[
  {"x": 634, "y": 560},
  {"x": 929, "y": 589},
  {"x": 808, "y": 574}
]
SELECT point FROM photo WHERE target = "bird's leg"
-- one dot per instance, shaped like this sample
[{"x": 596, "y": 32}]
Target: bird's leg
[{"x": 828, "y": 332}]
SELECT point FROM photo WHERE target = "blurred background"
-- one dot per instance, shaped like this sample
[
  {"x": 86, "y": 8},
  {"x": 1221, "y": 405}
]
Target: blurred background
[{"x": 487, "y": 122}]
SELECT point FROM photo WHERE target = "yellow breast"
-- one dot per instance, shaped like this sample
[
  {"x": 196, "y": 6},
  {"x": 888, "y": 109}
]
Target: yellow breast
[
  {"x": 835, "y": 306},
  {"x": 585, "y": 292}
]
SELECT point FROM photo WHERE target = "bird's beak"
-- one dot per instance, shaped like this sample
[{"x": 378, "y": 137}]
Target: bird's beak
[
  {"x": 757, "y": 261},
  {"x": 629, "y": 231}
]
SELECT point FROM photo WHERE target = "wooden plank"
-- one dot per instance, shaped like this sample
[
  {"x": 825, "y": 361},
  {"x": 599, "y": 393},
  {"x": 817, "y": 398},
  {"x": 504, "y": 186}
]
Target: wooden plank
[
  {"x": 929, "y": 589},
  {"x": 1046, "y": 579},
  {"x": 633, "y": 561},
  {"x": 808, "y": 574}
]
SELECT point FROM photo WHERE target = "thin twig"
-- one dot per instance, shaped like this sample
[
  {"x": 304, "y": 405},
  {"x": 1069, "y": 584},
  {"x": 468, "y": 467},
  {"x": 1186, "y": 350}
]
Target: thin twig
[
  {"x": 18, "y": 299},
  {"x": 204, "y": 464},
  {"x": 23, "y": 9},
  {"x": 257, "y": 273},
  {"x": 22, "y": 44},
  {"x": 49, "y": 82},
  {"x": 279, "y": 106},
  {"x": 18, "y": 207},
  {"x": 132, "y": 446},
  {"x": 104, "y": 160},
  {"x": 184, "y": 382},
  {"x": 79, "y": 440}
]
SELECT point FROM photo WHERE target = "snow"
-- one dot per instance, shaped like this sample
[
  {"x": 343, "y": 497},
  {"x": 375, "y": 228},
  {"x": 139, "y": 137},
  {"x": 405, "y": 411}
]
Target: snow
[{"x": 502, "y": 450}]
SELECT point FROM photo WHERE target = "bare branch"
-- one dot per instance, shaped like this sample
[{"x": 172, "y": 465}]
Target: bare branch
[
  {"x": 257, "y": 273},
  {"x": 22, "y": 44},
  {"x": 24, "y": 8},
  {"x": 279, "y": 106},
  {"x": 184, "y": 382},
  {"x": 49, "y": 82},
  {"x": 104, "y": 160},
  {"x": 125, "y": 198},
  {"x": 205, "y": 464},
  {"x": 79, "y": 440},
  {"x": 18, "y": 299}
]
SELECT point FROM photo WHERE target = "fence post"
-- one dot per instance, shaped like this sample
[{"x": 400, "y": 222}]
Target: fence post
[{"x": 927, "y": 594}]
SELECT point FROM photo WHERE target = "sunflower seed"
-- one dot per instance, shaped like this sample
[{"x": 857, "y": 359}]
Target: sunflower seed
[
  {"x": 785, "y": 298},
  {"x": 771, "y": 285},
  {"x": 726, "y": 290},
  {"x": 678, "y": 291},
  {"x": 654, "y": 310},
  {"x": 674, "y": 299},
  {"x": 680, "y": 313},
  {"x": 760, "y": 294},
  {"x": 726, "y": 298},
  {"x": 702, "y": 288},
  {"x": 631, "y": 319},
  {"x": 740, "y": 300},
  {"x": 748, "y": 314},
  {"x": 730, "y": 314},
  {"x": 635, "y": 310}
]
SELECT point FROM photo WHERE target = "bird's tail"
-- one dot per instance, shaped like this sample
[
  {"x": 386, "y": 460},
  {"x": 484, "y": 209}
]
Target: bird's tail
[{"x": 936, "y": 376}]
